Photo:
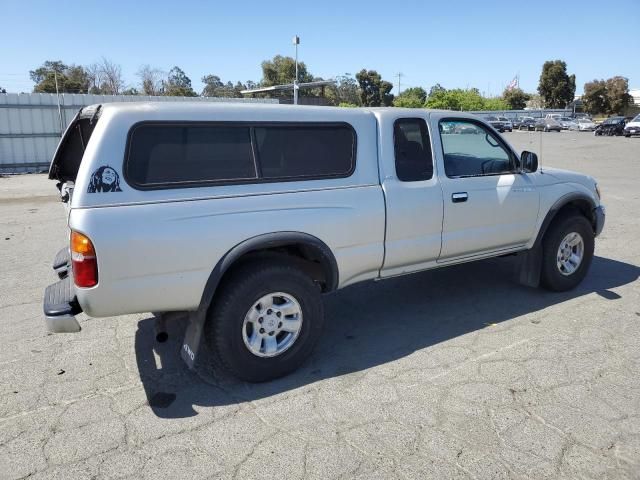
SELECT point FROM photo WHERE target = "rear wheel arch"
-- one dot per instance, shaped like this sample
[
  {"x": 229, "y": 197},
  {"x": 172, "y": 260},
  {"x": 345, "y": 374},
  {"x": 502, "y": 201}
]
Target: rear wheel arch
[{"x": 307, "y": 252}]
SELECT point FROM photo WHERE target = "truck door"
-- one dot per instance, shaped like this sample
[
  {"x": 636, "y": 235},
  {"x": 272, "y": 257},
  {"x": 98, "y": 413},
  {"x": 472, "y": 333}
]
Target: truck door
[
  {"x": 412, "y": 194},
  {"x": 488, "y": 205}
]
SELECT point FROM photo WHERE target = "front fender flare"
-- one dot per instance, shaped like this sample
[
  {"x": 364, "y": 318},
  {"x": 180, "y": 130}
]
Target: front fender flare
[
  {"x": 530, "y": 262},
  {"x": 557, "y": 206}
]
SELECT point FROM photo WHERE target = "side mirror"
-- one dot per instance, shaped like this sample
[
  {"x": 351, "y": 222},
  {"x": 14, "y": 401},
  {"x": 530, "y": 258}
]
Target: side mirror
[{"x": 528, "y": 162}]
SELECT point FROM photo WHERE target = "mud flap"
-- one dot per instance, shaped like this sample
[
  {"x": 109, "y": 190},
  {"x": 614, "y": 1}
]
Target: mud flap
[
  {"x": 193, "y": 337},
  {"x": 528, "y": 267}
]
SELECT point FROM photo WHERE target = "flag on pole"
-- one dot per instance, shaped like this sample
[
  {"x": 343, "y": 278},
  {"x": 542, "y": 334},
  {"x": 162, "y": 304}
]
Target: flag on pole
[{"x": 513, "y": 84}]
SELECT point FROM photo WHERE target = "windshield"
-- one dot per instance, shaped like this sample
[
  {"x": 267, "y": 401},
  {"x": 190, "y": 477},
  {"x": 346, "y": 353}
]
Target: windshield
[
  {"x": 610, "y": 121},
  {"x": 584, "y": 120},
  {"x": 637, "y": 119}
]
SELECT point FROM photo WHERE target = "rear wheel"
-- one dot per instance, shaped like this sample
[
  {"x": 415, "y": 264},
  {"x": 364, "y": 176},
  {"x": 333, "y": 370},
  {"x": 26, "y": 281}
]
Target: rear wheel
[
  {"x": 567, "y": 251},
  {"x": 265, "y": 321}
]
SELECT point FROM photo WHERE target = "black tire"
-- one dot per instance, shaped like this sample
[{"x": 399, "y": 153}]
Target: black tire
[
  {"x": 551, "y": 276},
  {"x": 244, "y": 286}
]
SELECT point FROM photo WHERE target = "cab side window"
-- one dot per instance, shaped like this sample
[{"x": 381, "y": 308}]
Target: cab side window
[
  {"x": 414, "y": 161},
  {"x": 471, "y": 149}
]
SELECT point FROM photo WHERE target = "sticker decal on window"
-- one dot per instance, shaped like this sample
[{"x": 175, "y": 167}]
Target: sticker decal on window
[{"x": 104, "y": 179}]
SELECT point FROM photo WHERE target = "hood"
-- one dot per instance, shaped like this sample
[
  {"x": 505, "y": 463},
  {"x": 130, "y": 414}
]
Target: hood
[
  {"x": 567, "y": 176},
  {"x": 633, "y": 124}
]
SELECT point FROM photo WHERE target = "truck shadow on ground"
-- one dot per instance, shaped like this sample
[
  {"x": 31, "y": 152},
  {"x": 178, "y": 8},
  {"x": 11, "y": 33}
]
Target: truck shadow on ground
[{"x": 367, "y": 325}]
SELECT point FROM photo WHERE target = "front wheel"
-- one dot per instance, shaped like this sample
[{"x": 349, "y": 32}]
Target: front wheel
[
  {"x": 265, "y": 321},
  {"x": 567, "y": 251}
]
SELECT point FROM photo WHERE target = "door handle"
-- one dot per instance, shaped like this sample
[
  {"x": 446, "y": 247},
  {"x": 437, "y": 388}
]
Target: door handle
[{"x": 459, "y": 197}]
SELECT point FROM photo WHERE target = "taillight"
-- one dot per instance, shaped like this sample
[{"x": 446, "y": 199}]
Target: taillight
[{"x": 83, "y": 260}]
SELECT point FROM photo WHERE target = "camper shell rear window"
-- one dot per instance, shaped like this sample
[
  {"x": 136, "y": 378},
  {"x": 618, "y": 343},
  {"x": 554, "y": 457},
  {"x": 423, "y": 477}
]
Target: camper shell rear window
[
  {"x": 68, "y": 156},
  {"x": 190, "y": 154}
]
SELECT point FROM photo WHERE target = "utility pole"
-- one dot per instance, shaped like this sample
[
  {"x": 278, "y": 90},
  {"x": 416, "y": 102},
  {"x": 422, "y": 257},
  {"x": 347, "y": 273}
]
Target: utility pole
[
  {"x": 399, "y": 75},
  {"x": 55, "y": 77},
  {"x": 296, "y": 42}
]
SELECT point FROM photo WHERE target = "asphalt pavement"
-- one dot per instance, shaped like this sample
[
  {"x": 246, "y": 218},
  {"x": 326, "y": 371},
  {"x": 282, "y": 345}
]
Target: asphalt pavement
[{"x": 454, "y": 373}]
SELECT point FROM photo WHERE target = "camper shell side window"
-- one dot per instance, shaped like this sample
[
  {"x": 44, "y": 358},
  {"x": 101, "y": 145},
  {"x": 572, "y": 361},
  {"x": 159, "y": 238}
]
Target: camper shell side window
[{"x": 163, "y": 155}]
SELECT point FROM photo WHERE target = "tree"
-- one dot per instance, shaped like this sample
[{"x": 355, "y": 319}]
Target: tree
[
  {"x": 436, "y": 89},
  {"x": 515, "y": 98},
  {"x": 178, "y": 84},
  {"x": 618, "y": 94},
  {"x": 130, "y": 91},
  {"x": 282, "y": 70},
  {"x": 212, "y": 84},
  {"x": 556, "y": 87},
  {"x": 374, "y": 91},
  {"x": 495, "y": 103},
  {"x": 151, "y": 80},
  {"x": 214, "y": 87},
  {"x": 456, "y": 99},
  {"x": 71, "y": 79},
  {"x": 344, "y": 91},
  {"x": 535, "y": 101},
  {"x": 607, "y": 96},
  {"x": 112, "y": 82},
  {"x": 238, "y": 89},
  {"x": 105, "y": 77},
  {"x": 464, "y": 99},
  {"x": 411, "y": 98},
  {"x": 595, "y": 98}
]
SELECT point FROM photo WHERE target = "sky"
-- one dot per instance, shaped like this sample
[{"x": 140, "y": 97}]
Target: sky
[{"x": 459, "y": 44}]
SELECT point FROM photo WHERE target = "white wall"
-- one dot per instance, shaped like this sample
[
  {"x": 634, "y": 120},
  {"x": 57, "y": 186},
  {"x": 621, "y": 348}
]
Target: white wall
[{"x": 30, "y": 125}]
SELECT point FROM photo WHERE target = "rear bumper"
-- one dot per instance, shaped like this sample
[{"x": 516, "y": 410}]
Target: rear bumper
[
  {"x": 60, "y": 307},
  {"x": 599, "y": 214}
]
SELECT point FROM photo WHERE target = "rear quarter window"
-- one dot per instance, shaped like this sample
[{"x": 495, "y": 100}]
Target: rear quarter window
[{"x": 170, "y": 155}]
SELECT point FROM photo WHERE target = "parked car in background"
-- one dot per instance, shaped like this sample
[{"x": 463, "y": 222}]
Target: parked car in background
[
  {"x": 612, "y": 126},
  {"x": 548, "y": 124},
  {"x": 516, "y": 123},
  {"x": 633, "y": 127},
  {"x": 527, "y": 123},
  {"x": 495, "y": 123},
  {"x": 506, "y": 124},
  {"x": 566, "y": 122},
  {"x": 583, "y": 124},
  {"x": 465, "y": 128}
]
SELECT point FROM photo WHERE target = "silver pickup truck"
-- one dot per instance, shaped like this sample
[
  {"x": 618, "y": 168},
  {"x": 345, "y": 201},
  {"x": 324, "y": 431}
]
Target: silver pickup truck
[{"x": 238, "y": 217}]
